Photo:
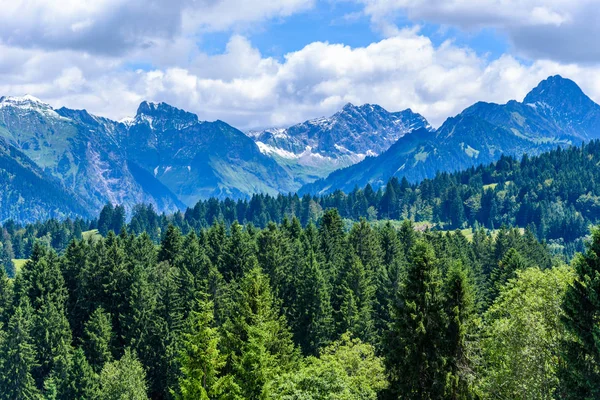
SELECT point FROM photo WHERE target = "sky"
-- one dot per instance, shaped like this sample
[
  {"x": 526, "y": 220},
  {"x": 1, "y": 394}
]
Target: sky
[{"x": 265, "y": 63}]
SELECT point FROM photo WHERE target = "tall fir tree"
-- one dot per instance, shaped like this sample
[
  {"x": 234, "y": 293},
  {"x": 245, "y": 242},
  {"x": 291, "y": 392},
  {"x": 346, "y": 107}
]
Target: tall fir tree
[
  {"x": 98, "y": 339},
  {"x": 17, "y": 353},
  {"x": 415, "y": 357},
  {"x": 459, "y": 343}
]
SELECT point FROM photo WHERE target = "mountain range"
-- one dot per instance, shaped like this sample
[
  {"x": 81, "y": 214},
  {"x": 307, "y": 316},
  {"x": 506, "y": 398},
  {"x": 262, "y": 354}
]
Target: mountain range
[
  {"x": 65, "y": 162},
  {"x": 555, "y": 113}
]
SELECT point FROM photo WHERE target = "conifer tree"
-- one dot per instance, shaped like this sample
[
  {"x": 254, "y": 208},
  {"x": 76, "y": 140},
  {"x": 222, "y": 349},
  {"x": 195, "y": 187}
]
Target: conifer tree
[
  {"x": 17, "y": 353},
  {"x": 201, "y": 361},
  {"x": 459, "y": 306},
  {"x": 170, "y": 247},
  {"x": 240, "y": 256},
  {"x": 256, "y": 338},
  {"x": 312, "y": 320},
  {"x": 332, "y": 244},
  {"x": 580, "y": 372},
  {"x": 80, "y": 382},
  {"x": 507, "y": 269},
  {"x": 98, "y": 338},
  {"x": 355, "y": 293},
  {"x": 415, "y": 357}
]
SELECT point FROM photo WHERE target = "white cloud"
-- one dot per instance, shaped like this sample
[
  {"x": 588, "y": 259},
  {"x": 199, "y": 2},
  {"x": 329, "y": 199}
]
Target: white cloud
[
  {"x": 117, "y": 26},
  {"x": 561, "y": 30},
  {"x": 249, "y": 90}
]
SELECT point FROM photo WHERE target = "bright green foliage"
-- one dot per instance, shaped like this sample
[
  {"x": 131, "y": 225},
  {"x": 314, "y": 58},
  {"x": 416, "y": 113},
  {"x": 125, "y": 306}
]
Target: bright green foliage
[
  {"x": 522, "y": 336},
  {"x": 201, "y": 360},
  {"x": 257, "y": 341},
  {"x": 580, "y": 374},
  {"x": 415, "y": 357},
  {"x": 346, "y": 370},
  {"x": 17, "y": 357},
  {"x": 98, "y": 337},
  {"x": 124, "y": 379}
]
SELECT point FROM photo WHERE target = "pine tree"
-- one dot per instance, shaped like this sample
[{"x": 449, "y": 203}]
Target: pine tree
[
  {"x": 355, "y": 293},
  {"x": 17, "y": 354},
  {"x": 80, "y": 382},
  {"x": 580, "y": 372},
  {"x": 459, "y": 306},
  {"x": 332, "y": 244},
  {"x": 506, "y": 269},
  {"x": 312, "y": 320},
  {"x": 256, "y": 338},
  {"x": 6, "y": 294},
  {"x": 98, "y": 338},
  {"x": 415, "y": 359},
  {"x": 240, "y": 256},
  {"x": 170, "y": 247},
  {"x": 201, "y": 360}
]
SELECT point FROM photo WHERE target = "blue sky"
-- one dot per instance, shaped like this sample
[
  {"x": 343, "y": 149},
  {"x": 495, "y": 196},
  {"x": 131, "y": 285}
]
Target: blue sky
[{"x": 264, "y": 64}]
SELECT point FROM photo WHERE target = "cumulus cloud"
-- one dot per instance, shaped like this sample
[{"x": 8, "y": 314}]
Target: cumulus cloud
[
  {"x": 561, "y": 30},
  {"x": 249, "y": 90},
  {"x": 115, "y": 27}
]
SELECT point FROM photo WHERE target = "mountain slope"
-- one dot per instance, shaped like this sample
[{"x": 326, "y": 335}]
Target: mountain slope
[
  {"x": 555, "y": 113},
  {"x": 196, "y": 159},
  {"x": 29, "y": 194},
  {"x": 79, "y": 149},
  {"x": 314, "y": 148}
]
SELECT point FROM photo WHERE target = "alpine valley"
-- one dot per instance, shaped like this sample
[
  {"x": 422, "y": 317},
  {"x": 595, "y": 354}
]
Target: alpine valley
[{"x": 64, "y": 162}]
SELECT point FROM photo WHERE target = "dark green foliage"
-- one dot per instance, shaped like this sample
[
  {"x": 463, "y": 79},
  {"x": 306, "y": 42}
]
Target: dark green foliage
[
  {"x": 459, "y": 306},
  {"x": 580, "y": 373},
  {"x": 241, "y": 312},
  {"x": 98, "y": 339},
  {"x": 17, "y": 354},
  {"x": 415, "y": 346}
]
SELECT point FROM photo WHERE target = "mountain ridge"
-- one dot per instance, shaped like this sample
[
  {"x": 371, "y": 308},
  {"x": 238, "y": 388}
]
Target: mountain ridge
[{"x": 478, "y": 135}]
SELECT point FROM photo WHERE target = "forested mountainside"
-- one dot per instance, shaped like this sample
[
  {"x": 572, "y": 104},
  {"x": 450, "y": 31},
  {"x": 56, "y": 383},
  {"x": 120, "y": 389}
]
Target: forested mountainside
[
  {"x": 29, "y": 193},
  {"x": 289, "y": 312},
  {"x": 164, "y": 156},
  {"x": 554, "y": 194},
  {"x": 556, "y": 112},
  {"x": 170, "y": 159}
]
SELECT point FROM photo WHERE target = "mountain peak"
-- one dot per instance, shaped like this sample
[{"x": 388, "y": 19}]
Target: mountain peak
[
  {"x": 27, "y": 101},
  {"x": 163, "y": 115},
  {"x": 556, "y": 91}
]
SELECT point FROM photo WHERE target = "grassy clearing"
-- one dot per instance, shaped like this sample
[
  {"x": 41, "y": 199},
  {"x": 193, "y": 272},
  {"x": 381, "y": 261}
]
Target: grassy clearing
[
  {"x": 93, "y": 234},
  {"x": 19, "y": 262}
]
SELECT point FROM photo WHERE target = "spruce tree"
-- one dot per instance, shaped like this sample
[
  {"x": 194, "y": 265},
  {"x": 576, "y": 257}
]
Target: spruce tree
[
  {"x": 17, "y": 355},
  {"x": 415, "y": 357},
  {"x": 312, "y": 319},
  {"x": 201, "y": 361},
  {"x": 355, "y": 294},
  {"x": 97, "y": 339},
  {"x": 580, "y": 372},
  {"x": 459, "y": 305},
  {"x": 257, "y": 341}
]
